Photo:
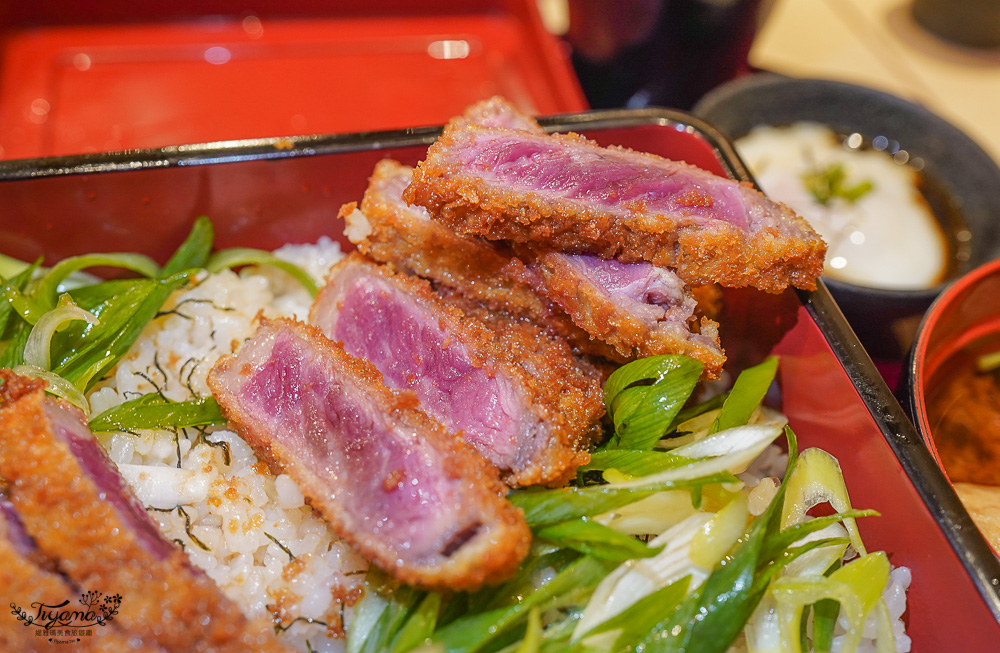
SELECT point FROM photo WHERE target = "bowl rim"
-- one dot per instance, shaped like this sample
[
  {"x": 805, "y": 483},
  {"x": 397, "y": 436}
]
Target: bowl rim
[{"x": 919, "y": 364}]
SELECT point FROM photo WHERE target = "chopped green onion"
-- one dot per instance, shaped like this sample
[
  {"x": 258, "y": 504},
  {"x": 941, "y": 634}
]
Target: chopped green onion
[
  {"x": 419, "y": 625},
  {"x": 545, "y": 507},
  {"x": 36, "y": 349},
  {"x": 711, "y": 617},
  {"x": 532, "y": 640},
  {"x": 10, "y": 266},
  {"x": 57, "y": 385},
  {"x": 725, "y": 453},
  {"x": 644, "y": 396},
  {"x": 96, "y": 350},
  {"x": 635, "y": 463},
  {"x": 24, "y": 304},
  {"x": 151, "y": 411},
  {"x": 642, "y": 617},
  {"x": 47, "y": 287},
  {"x": 825, "y": 613},
  {"x": 475, "y": 631},
  {"x": 12, "y": 284},
  {"x": 824, "y": 184},
  {"x": 818, "y": 479},
  {"x": 711, "y": 544},
  {"x": 596, "y": 539},
  {"x": 857, "y": 587},
  {"x": 238, "y": 256},
  {"x": 194, "y": 251},
  {"x": 381, "y": 612},
  {"x": 747, "y": 393},
  {"x": 13, "y": 351}
]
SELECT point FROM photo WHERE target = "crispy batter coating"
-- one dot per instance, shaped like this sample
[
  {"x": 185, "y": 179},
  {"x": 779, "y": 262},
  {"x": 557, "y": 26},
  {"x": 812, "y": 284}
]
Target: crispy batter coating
[
  {"x": 390, "y": 231},
  {"x": 615, "y": 320},
  {"x": 562, "y": 395},
  {"x": 164, "y": 600},
  {"x": 363, "y": 469},
  {"x": 496, "y": 112},
  {"x": 496, "y": 196},
  {"x": 27, "y": 580},
  {"x": 407, "y": 238}
]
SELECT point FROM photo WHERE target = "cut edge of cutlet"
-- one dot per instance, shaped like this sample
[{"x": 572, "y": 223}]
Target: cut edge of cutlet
[{"x": 44, "y": 445}]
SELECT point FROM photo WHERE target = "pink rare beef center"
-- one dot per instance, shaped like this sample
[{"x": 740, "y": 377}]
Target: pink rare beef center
[
  {"x": 345, "y": 436},
  {"x": 412, "y": 351},
  {"x": 103, "y": 473},
  {"x": 649, "y": 292},
  {"x": 604, "y": 178}
]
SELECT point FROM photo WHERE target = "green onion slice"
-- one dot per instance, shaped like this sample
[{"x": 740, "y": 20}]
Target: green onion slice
[
  {"x": 644, "y": 396},
  {"x": 47, "y": 287},
  {"x": 152, "y": 411},
  {"x": 57, "y": 385},
  {"x": 237, "y": 256},
  {"x": 747, "y": 393},
  {"x": 37, "y": 348}
]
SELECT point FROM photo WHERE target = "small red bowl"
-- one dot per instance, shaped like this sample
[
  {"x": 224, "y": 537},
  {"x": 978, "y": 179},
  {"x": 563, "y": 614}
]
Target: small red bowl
[{"x": 962, "y": 316}]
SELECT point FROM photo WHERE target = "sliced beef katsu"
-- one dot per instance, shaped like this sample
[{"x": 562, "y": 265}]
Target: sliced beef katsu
[
  {"x": 391, "y": 231},
  {"x": 29, "y": 581},
  {"x": 564, "y": 192},
  {"x": 638, "y": 308},
  {"x": 517, "y": 395},
  {"x": 410, "y": 496},
  {"x": 79, "y": 511}
]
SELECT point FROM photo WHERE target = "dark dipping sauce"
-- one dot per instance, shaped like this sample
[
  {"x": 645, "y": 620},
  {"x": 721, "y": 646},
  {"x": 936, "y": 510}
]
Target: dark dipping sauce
[
  {"x": 963, "y": 411},
  {"x": 947, "y": 209}
]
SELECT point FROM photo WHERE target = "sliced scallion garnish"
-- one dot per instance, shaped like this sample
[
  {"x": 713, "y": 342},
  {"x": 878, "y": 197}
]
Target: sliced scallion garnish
[
  {"x": 239, "y": 256},
  {"x": 57, "y": 385},
  {"x": 643, "y": 397},
  {"x": 151, "y": 411},
  {"x": 36, "y": 349}
]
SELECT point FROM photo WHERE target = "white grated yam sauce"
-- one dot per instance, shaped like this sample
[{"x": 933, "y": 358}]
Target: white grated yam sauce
[{"x": 887, "y": 238}]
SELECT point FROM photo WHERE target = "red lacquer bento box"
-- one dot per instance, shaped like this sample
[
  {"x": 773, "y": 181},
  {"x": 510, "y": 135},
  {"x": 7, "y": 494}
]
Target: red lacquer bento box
[
  {"x": 95, "y": 77},
  {"x": 268, "y": 192}
]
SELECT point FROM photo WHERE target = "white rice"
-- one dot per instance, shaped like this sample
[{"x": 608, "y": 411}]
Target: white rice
[{"x": 250, "y": 531}]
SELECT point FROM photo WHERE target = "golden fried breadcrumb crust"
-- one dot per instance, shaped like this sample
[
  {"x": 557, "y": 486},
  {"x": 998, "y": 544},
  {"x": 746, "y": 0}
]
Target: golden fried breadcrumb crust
[
  {"x": 597, "y": 313},
  {"x": 782, "y": 251},
  {"x": 163, "y": 600},
  {"x": 413, "y": 242},
  {"x": 26, "y": 582},
  {"x": 389, "y": 231}
]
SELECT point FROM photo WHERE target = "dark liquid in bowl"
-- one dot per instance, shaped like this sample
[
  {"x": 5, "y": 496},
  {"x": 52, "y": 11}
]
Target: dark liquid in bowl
[
  {"x": 946, "y": 207},
  {"x": 963, "y": 411}
]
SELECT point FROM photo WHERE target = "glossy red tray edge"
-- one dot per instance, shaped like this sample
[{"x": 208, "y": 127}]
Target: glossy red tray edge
[{"x": 268, "y": 191}]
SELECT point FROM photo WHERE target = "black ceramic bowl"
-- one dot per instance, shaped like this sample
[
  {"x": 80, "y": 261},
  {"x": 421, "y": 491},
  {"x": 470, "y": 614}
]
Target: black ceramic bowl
[{"x": 884, "y": 320}]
